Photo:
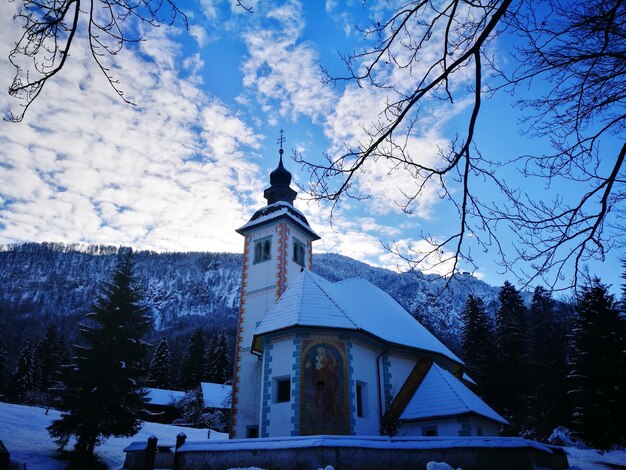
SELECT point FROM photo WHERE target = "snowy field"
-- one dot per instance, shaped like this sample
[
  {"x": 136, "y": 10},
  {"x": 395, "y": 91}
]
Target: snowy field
[{"x": 23, "y": 432}]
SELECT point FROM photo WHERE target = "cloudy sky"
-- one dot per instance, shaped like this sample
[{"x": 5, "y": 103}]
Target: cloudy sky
[{"x": 187, "y": 165}]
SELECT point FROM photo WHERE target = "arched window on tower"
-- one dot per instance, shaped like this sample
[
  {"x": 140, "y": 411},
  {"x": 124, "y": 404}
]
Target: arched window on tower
[
  {"x": 262, "y": 250},
  {"x": 299, "y": 252}
]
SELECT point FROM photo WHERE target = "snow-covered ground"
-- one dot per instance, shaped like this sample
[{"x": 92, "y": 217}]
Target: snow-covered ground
[
  {"x": 592, "y": 459},
  {"x": 23, "y": 432}
]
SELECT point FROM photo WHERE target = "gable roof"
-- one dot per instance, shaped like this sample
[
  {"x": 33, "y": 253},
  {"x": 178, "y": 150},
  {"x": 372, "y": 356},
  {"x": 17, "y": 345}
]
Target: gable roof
[
  {"x": 159, "y": 396},
  {"x": 353, "y": 304},
  {"x": 441, "y": 394},
  {"x": 216, "y": 395}
]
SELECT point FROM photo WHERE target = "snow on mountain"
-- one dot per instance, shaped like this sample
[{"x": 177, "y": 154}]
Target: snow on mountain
[{"x": 52, "y": 280}]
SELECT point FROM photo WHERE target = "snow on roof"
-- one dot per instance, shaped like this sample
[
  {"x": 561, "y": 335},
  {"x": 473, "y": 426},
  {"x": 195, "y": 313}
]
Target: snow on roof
[
  {"x": 441, "y": 394},
  {"x": 277, "y": 210},
  {"x": 468, "y": 379},
  {"x": 159, "y": 396},
  {"x": 353, "y": 304},
  {"x": 216, "y": 395}
]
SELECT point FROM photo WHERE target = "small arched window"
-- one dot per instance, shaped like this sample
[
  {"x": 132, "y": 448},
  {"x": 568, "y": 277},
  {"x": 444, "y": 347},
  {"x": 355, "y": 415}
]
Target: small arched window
[
  {"x": 299, "y": 252},
  {"x": 262, "y": 250}
]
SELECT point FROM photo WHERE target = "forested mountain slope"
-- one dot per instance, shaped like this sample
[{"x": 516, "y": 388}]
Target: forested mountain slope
[{"x": 51, "y": 282}]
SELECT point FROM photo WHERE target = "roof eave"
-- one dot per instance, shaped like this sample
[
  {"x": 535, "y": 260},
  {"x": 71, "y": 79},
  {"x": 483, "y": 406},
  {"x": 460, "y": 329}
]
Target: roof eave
[
  {"x": 363, "y": 332},
  {"x": 248, "y": 226},
  {"x": 453, "y": 415}
]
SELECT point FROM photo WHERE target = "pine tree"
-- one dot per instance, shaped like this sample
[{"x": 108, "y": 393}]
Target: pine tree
[
  {"x": 220, "y": 365},
  {"x": 102, "y": 397},
  {"x": 161, "y": 366},
  {"x": 48, "y": 358},
  {"x": 3, "y": 365},
  {"x": 622, "y": 375},
  {"x": 191, "y": 406},
  {"x": 478, "y": 345},
  {"x": 547, "y": 371},
  {"x": 209, "y": 375},
  {"x": 24, "y": 376},
  {"x": 597, "y": 363},
  {"x": 511, "y": 353},
  {"x": 192, "y": 369}
]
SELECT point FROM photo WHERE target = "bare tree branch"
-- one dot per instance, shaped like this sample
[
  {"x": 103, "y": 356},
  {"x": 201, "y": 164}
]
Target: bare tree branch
[
  {"x": 576, "y": 51},
  {"x": 51, "y": 27}
]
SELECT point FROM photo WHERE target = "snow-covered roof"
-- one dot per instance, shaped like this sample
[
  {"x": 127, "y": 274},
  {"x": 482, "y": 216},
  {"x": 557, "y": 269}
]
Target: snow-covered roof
[
  {"x": 216, "y": 395},
  {"x": 468, "y": 379},
  {"x": 441, "y": 394},
  {"x": 353, "y": 304},
  {"x": 280, "y": 209},
  {"x": 159, "y": 396}
]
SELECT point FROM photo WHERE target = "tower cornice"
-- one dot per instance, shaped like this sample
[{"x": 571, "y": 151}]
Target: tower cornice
[{"x": 272, "y": 213}]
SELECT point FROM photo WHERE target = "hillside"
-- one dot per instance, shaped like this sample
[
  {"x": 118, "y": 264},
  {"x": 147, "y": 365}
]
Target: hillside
[{"x": 51, "y": 282}]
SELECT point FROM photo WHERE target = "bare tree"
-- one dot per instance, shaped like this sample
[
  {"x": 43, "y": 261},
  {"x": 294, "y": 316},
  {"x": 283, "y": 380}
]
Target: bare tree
[
  {"x": 575, "y": 49},
  {"x": 51, "y": 27}
]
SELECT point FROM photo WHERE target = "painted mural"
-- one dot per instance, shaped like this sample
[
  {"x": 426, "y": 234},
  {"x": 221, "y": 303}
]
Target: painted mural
[{"x": 324, "y": 388}]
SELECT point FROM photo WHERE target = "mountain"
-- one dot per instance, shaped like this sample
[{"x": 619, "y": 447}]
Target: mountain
[{"x": 42, "y": 283}]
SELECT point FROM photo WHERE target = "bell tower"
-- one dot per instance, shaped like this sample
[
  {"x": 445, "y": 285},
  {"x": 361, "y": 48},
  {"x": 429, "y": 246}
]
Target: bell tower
[{"x": 277, "y": 246}]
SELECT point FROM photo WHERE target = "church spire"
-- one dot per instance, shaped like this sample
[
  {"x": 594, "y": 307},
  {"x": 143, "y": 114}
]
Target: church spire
[{"x": 280, "y": 179}]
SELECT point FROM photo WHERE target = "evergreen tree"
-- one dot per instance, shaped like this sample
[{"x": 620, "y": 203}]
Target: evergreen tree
[
  {"x": 3, "y": 365},
  {"x": 191, "y": 407},
  {"x": 208, "y": 375},
  {"x": 220, "y": 365},
  {"x": 192, "y": 369},
  {"x": 597, "y": 363},
  {"x": 511, "y": 353},
  {"x": 24, "y": 376},
  {"x": 161, "y": 366},
  {"x": 48, "y": 358},
  {"x": 102, "y": 397},
  {"x": 547, "y": 370},
  {"x": 622, "y": 369},
  {"x": 478, "y": 345}
]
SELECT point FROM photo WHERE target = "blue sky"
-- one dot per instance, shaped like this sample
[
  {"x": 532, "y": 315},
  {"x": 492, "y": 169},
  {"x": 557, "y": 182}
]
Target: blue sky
[{"x": 188, "y": 164}]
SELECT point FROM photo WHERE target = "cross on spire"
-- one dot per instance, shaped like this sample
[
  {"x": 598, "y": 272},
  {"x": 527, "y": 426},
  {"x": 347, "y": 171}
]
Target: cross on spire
[{"x": 281, "y": 141}]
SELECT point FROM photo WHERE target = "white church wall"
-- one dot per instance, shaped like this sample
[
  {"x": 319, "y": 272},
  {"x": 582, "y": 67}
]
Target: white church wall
[
  {"x": 364, "y": 376},
  {"x": 463, "y": 426},
  {"x": 249, "y": 394},
  {"x": 397, "y": 369},
  {"x": 259, "y": 296},
  {"x": 260, "y": 283},
  {"x": 276, "y": 414}
]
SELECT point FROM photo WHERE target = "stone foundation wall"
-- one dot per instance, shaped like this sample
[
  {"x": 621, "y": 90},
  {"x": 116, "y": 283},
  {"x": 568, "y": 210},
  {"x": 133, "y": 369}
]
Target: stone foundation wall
[{"x": 510, "y": 454}]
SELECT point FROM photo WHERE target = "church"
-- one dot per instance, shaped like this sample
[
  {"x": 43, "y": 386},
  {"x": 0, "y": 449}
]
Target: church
[{"x": 315, "y": 357}]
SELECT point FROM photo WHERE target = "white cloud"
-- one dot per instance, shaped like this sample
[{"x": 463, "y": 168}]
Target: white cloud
[
  {"x": 199, "y": 34},
  {"x": 210, "y": 8},
  {"x": 172, "y": 173},
  {"x": 283, "y": 71}
]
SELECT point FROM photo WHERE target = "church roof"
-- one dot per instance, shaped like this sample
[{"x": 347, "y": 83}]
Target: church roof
[
  {"x": 441, "y": 394},
  {"x": 353, "y": 304},
  {"x": 277, "y": 210},
  {"x": 280, "y": 176}
]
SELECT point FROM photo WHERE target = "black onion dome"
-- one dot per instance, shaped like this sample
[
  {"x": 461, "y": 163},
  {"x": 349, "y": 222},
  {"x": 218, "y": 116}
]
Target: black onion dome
[
  {"x": 280, "y": 176},
  {"x": 279, "y": 189}
]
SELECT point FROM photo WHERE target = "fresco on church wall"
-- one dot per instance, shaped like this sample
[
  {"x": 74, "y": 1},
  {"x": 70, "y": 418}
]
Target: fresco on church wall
[{"x": 323, "y": 388}]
